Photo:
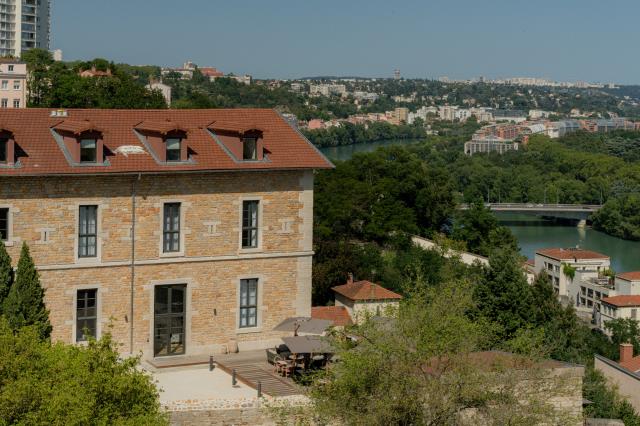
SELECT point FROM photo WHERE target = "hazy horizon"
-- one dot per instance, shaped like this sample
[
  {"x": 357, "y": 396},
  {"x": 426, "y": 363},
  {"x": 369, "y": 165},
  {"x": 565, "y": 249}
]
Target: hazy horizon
[{"x": 571, "y": 41}]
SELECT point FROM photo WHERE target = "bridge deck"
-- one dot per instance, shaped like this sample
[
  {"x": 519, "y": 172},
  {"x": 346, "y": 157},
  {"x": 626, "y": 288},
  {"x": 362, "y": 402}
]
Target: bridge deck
[{"x": 537, "y": 207}]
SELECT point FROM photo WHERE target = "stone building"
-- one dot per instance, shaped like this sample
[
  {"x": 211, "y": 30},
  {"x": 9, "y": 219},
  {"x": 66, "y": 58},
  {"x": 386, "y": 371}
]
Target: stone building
[{"x": 182, "y": 232}]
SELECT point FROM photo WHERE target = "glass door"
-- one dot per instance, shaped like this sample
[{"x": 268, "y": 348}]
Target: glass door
[{"x": 169, "y": 320}]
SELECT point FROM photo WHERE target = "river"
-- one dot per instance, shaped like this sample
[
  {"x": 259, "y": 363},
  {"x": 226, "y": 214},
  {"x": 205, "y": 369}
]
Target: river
[{"x": 534, "y": 233}]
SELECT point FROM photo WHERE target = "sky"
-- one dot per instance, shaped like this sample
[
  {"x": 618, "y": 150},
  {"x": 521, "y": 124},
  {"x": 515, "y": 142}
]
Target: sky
[{"x": 564, "y": 40}]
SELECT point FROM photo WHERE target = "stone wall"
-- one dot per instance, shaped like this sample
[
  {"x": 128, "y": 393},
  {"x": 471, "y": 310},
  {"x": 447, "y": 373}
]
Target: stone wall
[{"x": 44, "y": 213}]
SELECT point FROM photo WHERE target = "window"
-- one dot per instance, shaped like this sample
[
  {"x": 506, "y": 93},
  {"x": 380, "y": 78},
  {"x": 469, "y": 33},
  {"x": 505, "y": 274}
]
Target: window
[
  {"x": 88, "y": 231},
  {"x": 88, "y": 151},
  {"x": 4, "y": 103},
  {"x": 249, "y": 149},
  {"x": 10, "y": 68},
  {"x": 3, "y": 150},
  {"x": 171, "y": 228},
  {"x": 4, "y": 224},
  {"x": 173, "y": 149},
  {"x": 86, "y": 314},
  {"x": 16, "y": 84},
  {"x": 250, "y": 224},
  {"x": 634, "y": 314},
  {"x": 248, "y": 303},
  {"x": 5, "y": 84},
  {"x": 16, "y": 103}
]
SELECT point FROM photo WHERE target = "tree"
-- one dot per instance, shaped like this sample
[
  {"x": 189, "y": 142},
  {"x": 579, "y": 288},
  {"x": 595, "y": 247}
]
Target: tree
[
  {"x": 503, "y": 295},
  {"x": 44, "y": 383},
  {"x": 624, "y": 330},
  {"x": 479, "y": 228},
  {"x": 38, "y": 62},
  {"x": 25, "y": 303},
  {"x": 6, "y": 274},
  {"x": 420, "y": 367}
]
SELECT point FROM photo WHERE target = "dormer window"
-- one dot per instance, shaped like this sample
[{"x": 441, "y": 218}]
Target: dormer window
[
  {"x": 88, "y": 150},
  {"x": 249, "y": 148},
  {"x": 82, "y": 142},
  {"x": 174, "y": 149}
]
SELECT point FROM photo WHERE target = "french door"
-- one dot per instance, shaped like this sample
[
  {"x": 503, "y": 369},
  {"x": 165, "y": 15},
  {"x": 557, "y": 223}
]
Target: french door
[{"x": 169, "y": 320}]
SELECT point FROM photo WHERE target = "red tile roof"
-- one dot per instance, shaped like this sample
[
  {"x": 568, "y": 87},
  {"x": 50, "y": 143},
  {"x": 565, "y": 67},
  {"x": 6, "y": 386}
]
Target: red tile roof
[
  {"x": 338, "y": 314},
  {"x": 623, "y": 301},
  {"x": 630, "y": 276},
  {"x": 571, "y": 253},
  {"x": 287, "y": 148},
  {"x": 365, "y": 290}
]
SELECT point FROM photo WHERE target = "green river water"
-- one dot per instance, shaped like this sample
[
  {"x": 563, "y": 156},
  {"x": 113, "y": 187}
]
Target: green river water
[{"x": 532, "y": 232}]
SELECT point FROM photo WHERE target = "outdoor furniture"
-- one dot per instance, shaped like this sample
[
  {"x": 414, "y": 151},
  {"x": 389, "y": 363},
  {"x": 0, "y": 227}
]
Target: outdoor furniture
[{"x": 272, "y": 353}]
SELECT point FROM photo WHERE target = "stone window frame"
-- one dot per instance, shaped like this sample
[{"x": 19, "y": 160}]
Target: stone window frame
[
  {"x": 260, "y": 304},
  {"x": 99, "y": 232},
  {"x": 9, "y": 242},
  {"x": 74, "y": 306},
  {"x": 183, "y": 208},
  {"x": 261, "y": 203},
  {"x": 189, "y": 312}
]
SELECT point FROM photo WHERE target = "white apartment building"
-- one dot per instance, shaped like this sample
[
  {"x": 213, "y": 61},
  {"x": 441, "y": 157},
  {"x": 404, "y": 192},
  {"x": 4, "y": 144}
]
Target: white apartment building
[
  {"x": 622, "y": 302},
  {"x": 24, "y": 25},
  {"x": 328, "y": 89},
  {"x": 13, "y": 83},
  {"x": 487, "y": 144},
  {"x": 586, "y": 263}
]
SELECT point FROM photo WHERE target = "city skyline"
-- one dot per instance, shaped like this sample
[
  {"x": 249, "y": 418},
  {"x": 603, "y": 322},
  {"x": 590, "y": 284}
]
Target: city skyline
[{"x": 292, "y": 40}]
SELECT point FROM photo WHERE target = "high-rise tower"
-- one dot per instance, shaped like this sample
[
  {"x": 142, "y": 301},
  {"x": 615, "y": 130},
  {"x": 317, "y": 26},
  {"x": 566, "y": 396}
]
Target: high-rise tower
[{"x": 24, "y": 25}]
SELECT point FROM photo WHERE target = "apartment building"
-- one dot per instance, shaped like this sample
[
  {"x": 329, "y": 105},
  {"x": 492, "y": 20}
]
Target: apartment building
[
  {"x": 554, "y": 261},
  {"x": 13, "y": 83},
  {"x": 24, "y": 25},
  {"x": 182, "y": 232},
  {"x": 622, "y": 302}
]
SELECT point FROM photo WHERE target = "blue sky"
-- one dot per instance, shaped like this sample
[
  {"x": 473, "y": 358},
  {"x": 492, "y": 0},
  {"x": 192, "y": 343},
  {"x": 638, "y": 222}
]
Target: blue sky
[{"x": 561, "y": 39}]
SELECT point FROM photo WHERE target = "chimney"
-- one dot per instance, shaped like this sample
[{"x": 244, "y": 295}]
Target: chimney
[
  {"x": 626, "y": 352},
  {"x": 350, "y": 278}
]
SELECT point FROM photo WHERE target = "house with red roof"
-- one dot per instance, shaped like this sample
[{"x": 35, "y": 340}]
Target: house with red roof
[
  {"x": 183, "y": 232},
  {"x": 624, "y": 374},
  {"x": 557, "y": 262},
  {"x": 357, "y": 299}
]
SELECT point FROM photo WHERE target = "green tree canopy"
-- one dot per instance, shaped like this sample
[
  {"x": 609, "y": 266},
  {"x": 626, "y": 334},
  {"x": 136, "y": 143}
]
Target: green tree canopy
[{"x": 25, "y": 303}]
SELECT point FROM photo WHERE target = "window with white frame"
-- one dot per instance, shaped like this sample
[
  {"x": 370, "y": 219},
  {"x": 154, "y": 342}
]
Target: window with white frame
[
  {"x": 5, "y": 84},
  {"x": 171, "y": 228},
  {"x": 16, "y": 103},
  {"x": 248, "y": 303},
  {"x": 16, "y": 84},
  {"x": 86, "y": 314},
  {"x": 250, "y": 211},
  {"x": 88, "y": 232}
]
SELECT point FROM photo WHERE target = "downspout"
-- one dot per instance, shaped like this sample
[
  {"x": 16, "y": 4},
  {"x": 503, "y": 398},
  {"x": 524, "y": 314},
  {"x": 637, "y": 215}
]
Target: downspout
[{"x": 133, "y": 259}]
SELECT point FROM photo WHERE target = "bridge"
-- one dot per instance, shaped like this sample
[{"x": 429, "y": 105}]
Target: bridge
[{"x": 579, "y": 212}]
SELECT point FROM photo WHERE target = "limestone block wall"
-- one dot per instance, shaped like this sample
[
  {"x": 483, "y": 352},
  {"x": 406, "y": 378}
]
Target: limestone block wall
[{"x": 44, "y": 213}]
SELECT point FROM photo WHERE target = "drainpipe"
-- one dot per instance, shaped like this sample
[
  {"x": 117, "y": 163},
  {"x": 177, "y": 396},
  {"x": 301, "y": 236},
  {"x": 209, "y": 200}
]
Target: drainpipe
[{"x": 133, "y": 259}]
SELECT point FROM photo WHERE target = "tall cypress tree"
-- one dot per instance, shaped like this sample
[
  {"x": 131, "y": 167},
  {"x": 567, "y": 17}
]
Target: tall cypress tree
[
  {"x": 25, "y": 303},
  {"x": 6, "y": 274}
]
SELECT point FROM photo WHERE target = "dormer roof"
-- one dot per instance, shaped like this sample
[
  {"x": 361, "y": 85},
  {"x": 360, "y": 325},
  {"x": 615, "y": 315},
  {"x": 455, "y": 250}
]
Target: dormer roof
[
  {"x": 77, "y": 127},
  {"x": 162, "y": 127},
  {"x": 235, "y": 127},
  {"x": 32, "y": 130}
]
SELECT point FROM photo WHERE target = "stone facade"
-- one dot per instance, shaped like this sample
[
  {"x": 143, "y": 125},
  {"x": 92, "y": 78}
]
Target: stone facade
[{"x": 44, "y": 213}]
